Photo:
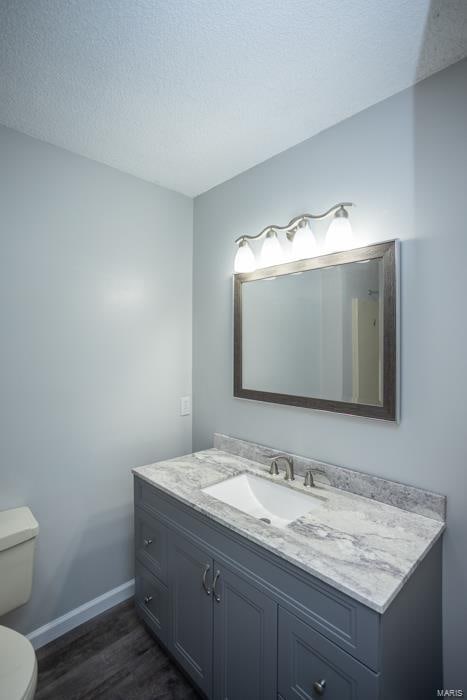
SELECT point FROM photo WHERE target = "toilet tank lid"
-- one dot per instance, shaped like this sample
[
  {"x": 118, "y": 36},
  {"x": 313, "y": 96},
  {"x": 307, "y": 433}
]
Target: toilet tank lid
[{"x": 17, "y": 525}]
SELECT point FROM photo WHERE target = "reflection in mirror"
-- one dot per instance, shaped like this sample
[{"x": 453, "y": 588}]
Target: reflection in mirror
[
  {"x": 316, "y": 333},
  {"x": 321, "y": 332}
]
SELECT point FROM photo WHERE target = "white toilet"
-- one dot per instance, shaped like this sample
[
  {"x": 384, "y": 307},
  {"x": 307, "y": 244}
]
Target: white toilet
[{"x": 18, "y": 665}]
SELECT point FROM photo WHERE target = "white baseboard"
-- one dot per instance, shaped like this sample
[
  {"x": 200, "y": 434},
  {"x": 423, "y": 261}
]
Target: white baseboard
[{"x": 54, "y": 629}]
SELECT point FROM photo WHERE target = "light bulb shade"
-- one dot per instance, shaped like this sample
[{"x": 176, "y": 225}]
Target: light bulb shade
[
  {"x": 339, "y": 235},
  {"x": 304, "y": 244},
  {"x": 271, "y": 251},
  {"x": 244, "y": 259}
]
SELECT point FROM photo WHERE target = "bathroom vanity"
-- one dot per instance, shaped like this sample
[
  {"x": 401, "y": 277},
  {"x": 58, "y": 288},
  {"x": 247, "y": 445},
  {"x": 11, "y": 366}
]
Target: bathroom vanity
[{"x": 342, "y": 602}]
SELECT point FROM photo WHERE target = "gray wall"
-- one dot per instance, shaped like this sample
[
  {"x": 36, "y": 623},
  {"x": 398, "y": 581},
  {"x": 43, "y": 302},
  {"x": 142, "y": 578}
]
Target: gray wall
[
  {"x": 95, "y": 313},
  {"x": 403, "y": 162}
]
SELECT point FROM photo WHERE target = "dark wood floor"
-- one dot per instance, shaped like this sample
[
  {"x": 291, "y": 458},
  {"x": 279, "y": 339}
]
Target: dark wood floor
[{"x": 112, "y": 657}]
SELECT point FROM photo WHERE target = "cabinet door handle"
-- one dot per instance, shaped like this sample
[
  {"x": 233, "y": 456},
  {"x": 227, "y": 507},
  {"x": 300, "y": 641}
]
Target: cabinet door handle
[
  {"x": 147, "y": 599},
  {"x": 319, "y": 687},
  {"x": 147, "y": 541},
  {"x": 205, "y": 585},
  {"x": 216, "y": 595}
]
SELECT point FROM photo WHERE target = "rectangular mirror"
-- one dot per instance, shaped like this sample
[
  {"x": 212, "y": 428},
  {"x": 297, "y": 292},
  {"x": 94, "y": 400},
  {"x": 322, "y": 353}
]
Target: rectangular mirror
[{"x": 320, "y": 333}]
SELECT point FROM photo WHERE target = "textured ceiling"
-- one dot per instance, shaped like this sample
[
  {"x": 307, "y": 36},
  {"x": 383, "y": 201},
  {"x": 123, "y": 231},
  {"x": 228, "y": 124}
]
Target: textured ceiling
[{"x": 188, "y": 93}]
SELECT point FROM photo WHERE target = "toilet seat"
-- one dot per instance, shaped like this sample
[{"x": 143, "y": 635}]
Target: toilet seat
[{"x": 18, "y": 666}]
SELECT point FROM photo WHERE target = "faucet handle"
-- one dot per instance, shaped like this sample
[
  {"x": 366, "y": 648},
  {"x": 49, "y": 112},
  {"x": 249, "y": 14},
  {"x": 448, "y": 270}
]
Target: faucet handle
[
  {"x": 308, "y": 481},
  {"x": 274, "y": 469}
]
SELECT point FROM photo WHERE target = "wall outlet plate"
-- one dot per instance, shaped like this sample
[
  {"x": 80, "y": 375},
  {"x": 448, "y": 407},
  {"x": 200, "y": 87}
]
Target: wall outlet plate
[{"x": 185, "y": 405}]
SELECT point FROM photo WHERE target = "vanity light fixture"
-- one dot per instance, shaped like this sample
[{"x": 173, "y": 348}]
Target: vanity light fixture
[
  {"x": 271, "y": 251},
  {"x": 304, "y": 243},
  {"x": 300, "y": 234},
  {"x": 340, "y": 234},
  {"x": 245, "y": 258}
]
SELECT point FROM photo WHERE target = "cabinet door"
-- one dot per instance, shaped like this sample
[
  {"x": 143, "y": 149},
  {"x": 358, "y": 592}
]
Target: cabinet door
[
  {"x": 190, "y": 638},
  {"x": 311, "y": 667},
  {"x": 245, "y": 639}
]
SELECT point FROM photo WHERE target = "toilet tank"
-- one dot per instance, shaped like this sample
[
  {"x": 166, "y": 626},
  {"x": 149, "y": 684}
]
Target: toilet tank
[{"x": 18, "y": 532}]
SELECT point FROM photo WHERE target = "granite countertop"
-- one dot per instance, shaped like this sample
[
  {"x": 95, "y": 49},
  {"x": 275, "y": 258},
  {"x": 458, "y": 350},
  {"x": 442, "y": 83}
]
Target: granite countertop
[{"x": 362, "y": 547}]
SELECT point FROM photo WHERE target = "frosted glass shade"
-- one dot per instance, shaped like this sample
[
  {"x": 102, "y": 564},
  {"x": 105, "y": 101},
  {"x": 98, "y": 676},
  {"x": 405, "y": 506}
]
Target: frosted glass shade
[
  {"x": 271, "y": 252},
  {"x": 245, "y": 259},
  {"x": 339, "y": 235},
  {"x": 304, "y": 243}
]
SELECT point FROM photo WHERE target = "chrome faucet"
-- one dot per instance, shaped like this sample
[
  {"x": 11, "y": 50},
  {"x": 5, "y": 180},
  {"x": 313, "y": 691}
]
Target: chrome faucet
[
  {"x": 289, "y": 473},
  {"x": 308, "y": 481}
]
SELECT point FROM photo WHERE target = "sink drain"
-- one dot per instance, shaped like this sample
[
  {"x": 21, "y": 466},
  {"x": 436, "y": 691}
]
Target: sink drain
[{"x": 266, "y": 520}]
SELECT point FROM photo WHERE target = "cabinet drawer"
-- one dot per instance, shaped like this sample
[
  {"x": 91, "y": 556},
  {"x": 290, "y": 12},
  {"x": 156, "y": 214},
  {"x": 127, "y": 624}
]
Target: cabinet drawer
[
  {"x": 151, "y": 599},
  {"x": 151, "y": 543},
  {"x": 311, "y": 667}
]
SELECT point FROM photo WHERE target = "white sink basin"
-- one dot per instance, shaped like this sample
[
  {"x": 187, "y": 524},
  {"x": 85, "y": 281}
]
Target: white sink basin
[{"x": 263, "y": 499}]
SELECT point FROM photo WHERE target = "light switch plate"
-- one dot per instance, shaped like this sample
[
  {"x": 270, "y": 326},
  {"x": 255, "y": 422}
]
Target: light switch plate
[{"x": 185, "y": 405}]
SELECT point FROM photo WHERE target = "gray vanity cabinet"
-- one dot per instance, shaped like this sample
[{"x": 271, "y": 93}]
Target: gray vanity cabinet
[
  {"x": 245, "y": 638},
  {"x": 244, "y": 624},
  {"x": 191, "y": 610}
]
